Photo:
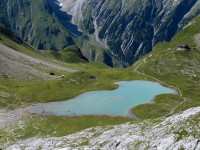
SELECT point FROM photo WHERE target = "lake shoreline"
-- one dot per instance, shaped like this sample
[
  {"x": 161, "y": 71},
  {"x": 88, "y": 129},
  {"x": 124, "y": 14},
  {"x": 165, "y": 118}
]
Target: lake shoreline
[
  {"x": 40, "y": 109},
  {"x": 151, "y": 101}
]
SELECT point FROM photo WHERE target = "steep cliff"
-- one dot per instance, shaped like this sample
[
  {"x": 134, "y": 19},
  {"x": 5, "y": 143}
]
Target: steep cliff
[
  {"x": 129, "y": 29},
  {"x": 114, "y": 32}
]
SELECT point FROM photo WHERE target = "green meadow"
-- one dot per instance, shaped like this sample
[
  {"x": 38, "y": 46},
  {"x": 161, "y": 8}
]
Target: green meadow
[{"x": 166, "y": 64}]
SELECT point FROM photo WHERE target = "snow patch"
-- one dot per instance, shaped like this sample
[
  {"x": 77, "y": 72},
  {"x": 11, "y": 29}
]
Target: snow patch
[{"x": 73, "y": 8}]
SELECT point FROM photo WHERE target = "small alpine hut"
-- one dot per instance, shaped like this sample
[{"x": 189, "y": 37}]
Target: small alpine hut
[{"x": 184, "y": 47}]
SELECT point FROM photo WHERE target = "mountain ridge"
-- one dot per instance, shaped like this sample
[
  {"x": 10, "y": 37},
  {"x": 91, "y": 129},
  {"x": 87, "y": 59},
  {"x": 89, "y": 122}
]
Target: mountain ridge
[
  {"x": 130, "y": 29},
  {"x": 114, "y": 32},
  {"x": 172, "y": 118}
]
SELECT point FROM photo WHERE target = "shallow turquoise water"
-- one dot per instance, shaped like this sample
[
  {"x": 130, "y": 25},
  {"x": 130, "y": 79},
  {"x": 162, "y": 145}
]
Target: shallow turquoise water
[{"x": 114, "y": 103}]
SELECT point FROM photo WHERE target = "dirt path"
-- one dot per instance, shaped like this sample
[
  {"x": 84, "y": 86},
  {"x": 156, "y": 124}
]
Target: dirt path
[{"x": 179, "y": 92}]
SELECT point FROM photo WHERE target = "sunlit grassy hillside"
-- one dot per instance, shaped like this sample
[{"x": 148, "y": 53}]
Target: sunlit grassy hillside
[
  {"x": 167, "y": 65},
  {"x": 177, "y": 68}
]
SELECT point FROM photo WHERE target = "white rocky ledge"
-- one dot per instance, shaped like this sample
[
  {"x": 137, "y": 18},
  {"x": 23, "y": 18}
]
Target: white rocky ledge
[{"x": 157, "y": 134}]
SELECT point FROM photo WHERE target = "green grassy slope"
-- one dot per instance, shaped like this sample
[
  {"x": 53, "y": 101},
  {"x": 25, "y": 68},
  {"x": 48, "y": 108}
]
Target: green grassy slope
[
  {"x": 36, "y": 22},
  {"x": 96, "y": 52},
  {"x": 70, "y": 54},
  {"x": 20, "y": 62},
  {"x": 89, "y": 76},
  {"x": 176, "y": 68},
  {"x": 166, "y": 64},
  {"x": 55, "y": 126},
  {"x": 9, "y": 38},
  {"x": 15, "y": 93}
]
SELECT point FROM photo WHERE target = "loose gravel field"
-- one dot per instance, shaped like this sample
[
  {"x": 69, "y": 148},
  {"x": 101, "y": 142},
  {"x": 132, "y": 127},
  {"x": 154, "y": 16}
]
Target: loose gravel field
[{"x": 19, "y": 65}]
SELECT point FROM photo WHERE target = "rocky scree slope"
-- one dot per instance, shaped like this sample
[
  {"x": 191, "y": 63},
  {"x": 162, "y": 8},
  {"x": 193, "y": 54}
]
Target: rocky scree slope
[
  {"x": 21, "y": 61},
  {"x": 179, "y": 131},
  {"x": 128, "y": 29}
]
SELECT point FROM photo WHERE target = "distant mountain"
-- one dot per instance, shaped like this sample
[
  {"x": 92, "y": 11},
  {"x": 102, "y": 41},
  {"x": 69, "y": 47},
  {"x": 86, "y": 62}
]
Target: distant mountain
[
  {"x": 129, "y": 29},
  {"x": 116, "y": 32},
  {"x": 36, "y": 22}
]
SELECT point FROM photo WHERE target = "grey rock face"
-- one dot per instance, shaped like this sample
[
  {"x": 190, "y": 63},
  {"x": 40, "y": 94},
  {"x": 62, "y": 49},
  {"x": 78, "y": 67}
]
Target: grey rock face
[
  {"x": 162, "y": 134},
  {"x": 130, "y": 28},
  {"x": 116, "y": 32}
]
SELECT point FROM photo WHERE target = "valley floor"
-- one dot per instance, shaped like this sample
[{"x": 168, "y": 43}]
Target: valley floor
[{"x": 172, "y": 122}]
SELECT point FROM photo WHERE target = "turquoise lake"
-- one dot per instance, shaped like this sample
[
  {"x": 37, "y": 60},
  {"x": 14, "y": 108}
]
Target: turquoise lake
[{"x": 113, "y": 103}]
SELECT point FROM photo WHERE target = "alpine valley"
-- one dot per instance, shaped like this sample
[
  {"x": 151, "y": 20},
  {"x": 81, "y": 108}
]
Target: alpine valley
[
  {"x": 116, "y": 32},
  {"x": 55, "y": 50}
]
